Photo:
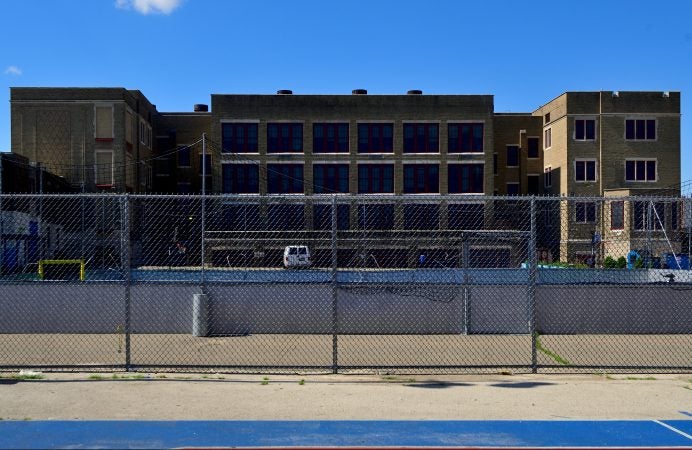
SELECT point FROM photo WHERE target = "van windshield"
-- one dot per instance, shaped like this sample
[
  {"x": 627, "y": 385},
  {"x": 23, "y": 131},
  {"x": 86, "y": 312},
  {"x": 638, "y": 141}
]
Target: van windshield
[
  {"x": 292, "y": 251},
  {"x": 302, "y": 251}
]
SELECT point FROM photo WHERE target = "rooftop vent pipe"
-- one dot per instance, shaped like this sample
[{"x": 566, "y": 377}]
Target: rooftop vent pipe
[
  {"x": 359, "y": 92},
  {"x": 284, "y": 92},
  {"x": 415, "y": 92},
  {"x": 201, "y": 107}
]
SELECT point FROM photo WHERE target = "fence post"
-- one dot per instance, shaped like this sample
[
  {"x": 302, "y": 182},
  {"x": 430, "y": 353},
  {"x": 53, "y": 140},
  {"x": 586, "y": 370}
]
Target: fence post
[
  {"x": 335, "y": 309},
  {"x": 533, "y": 271},
  {"x": 125, "y": 265}
]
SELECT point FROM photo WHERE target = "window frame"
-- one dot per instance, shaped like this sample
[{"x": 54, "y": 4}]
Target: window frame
[
  {"x": 537, "y": 139},
  {"x": 621, "y": 206},
  {"x": 427, "y": 181},
  {"x": 646, "y": 170},
  {"x": 585, "y": 129},
  {"x": 246, "y": 174},
  {"x": 246, "y": 125},
  {"x": 187, "y": 149},
  {"x": 381, "y": 126},
  {"x": 370, "y": 178},
  {"x": 459, "y": 126},
  {"x": 325, "y": 138},
  {"x": 416, "y": 127},
  {"x": 291, "y": 138},
  {"x": 452, "y": 167},
  {"x": 518, "y": 156},
  {"x": 585, "y": 204},
  {"x": 585, "y": 161},
  {"x": 548, "y": 177},
  {"x": 337, "y": 167},
  {"x": 547, "y": 138},
  {"x": 293, "y": 190},
  {"x": 646, "y": 130},
  {"x": 538, "y": 183},
  {"x": 97, "y": 137}
]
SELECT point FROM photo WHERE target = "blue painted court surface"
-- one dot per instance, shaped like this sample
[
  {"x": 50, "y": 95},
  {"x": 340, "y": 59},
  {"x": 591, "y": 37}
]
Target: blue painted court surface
[{"x": 449, "y": 434}]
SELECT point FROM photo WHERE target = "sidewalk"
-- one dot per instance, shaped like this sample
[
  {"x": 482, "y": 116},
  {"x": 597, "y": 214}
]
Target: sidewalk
[{"x": 137, "y": 396}]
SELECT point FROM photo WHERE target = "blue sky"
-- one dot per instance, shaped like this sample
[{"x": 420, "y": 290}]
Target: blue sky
[{"x": 178, "y": 52}]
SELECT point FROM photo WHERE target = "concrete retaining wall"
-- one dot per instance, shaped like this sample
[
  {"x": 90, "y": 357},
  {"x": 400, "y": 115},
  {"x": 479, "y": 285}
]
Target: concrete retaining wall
[{"x": 44, "y": 307}]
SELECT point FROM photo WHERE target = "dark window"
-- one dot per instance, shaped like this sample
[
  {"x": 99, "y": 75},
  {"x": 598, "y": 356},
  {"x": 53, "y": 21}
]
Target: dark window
[
  {"x": 421, "y": 217},
  {"x": 532, "y": 184},
  {"x": 465, "y": 178},
  {"x": 421, "y": 178},
  {"x": 239, "y": 137},
  {"x": 330, "y": 178},
  {"x": 548, "y": 177},
  {"x": 674, "y": 215},
  {"x": 648, "y": 215},
  {"x": 240, "y": 178},
  {"x": 512, "y": 188},
  {"x": 376, "y": 217},
  {"x": 375, "y": 178},
  {"x": 375, "y": 138},
  {"x": 184, "y": 188},
  {"x": 207, "y": 165},
  {"x": 640, "y": 170},
  {"x": 184, "y": 157},
  {"x": 284, "y": 178},
  {"x": 584, "y": 129},
  {"x": 322, "y": 217},
  {"x": 163, "y": 165},
  {"x": 330, "y": 138},
  {"x": 585, "y": 171},
  {"x": 547, "y": 140},
  {"x": 546, "y": 118},
  {"x": 617, "y": 215},
  {"x": 532, "y": 150},
  {"x": 465, "y": 216},
  {"x": 512, "y": 156},
  {"x": 421, "y": 138},
  {"x": 640, "y": 129},
  {"x": 285, "y": 217},
  {"x": 584, "y": 212},
  {"x": 241, "y": 217},
  {"x": 465, "y": 137},
  {"x": 494, "y": 163},
  {"x": 284, "y": 137}
]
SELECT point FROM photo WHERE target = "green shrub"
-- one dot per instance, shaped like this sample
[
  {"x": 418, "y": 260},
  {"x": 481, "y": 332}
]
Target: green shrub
[
  {"x": 621, "y": 262},
  {"x": 610, "y": 263}
]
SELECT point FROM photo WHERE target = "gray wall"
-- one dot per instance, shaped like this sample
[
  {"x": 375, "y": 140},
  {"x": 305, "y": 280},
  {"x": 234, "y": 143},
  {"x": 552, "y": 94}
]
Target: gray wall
[{"x": 42, "y": 307}]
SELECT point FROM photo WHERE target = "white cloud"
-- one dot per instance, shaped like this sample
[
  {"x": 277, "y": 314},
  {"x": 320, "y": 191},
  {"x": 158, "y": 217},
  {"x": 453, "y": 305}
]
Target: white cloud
[
  {"x": 13, "y": 70},
  {"x": 149, "y": 6}
]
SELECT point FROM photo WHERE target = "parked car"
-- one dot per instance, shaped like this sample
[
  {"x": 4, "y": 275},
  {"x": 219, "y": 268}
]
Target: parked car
[{"x": 297, "y": 256}]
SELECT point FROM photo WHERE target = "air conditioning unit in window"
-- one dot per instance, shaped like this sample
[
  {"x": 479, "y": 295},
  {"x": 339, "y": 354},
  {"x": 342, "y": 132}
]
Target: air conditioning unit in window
[{"x": 616, "y": 93}]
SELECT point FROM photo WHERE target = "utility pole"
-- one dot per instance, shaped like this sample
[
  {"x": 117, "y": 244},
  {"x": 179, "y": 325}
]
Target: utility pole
[{"x": 204, "y": 191}]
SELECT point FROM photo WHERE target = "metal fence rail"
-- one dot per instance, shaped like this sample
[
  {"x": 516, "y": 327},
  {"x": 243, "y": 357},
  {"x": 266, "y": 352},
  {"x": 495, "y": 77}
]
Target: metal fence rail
[{"x": 345, "y": 283}]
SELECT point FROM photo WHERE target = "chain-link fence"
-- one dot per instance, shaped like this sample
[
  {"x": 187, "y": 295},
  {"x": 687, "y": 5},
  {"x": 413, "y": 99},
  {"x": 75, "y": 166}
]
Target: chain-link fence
[{"x": 345, "y": 283}]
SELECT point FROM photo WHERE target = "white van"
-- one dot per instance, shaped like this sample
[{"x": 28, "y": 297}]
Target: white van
[{"x": 297, "y": 256}]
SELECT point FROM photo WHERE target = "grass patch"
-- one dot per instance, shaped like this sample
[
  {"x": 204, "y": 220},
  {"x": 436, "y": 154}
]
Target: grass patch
[
  {"x": 641, "y": 378},
  {"x": 301, "y": 382},
  {"x": 265, "y": 381},
  {"x": 396, "y": 379},
  {"x": 138, "y": 376},
  {"x": 95, "y": 377},
  {"x": 557, "y": 358},
  {"x": 161, "y": 376},
  {"x": 36, "y": 376}
]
